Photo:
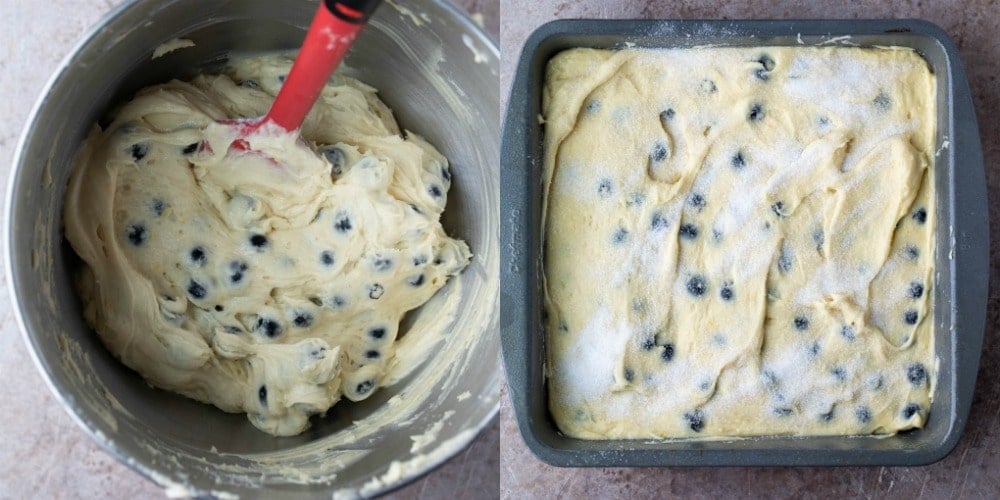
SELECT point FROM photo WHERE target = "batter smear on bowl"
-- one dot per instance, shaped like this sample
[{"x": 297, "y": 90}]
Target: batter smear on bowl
[
  {"x": 269, "y": 282},
  {"x": 739, "y": 241}
]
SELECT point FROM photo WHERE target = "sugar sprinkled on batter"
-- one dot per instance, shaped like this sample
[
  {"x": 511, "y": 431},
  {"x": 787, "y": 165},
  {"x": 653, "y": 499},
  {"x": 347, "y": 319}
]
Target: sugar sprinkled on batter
[{"x": 739, "y": 241}]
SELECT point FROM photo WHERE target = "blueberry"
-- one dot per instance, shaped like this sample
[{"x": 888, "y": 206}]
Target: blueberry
[
  {"x": 342, "y": 223},
  {"x": 916, "y": 374},
  {"x": 801, "y": 323},
  {"x": 818, "y": 237},
  {"x": 695, "y": 420},
  {"x": 882, "y": 101},
  {"x": 435, "y": 190},
  {"x": 159, "y": 206},
  {"x": 629, "y": 374},
  {"x": 303, "y": 320},
  {"x": 198, "y": 256},
  {"x": 635, "y": 199},
  {"x": 337, "y": 302},
  {"x": 326, "y": 257},
  {"x": 697, "y": 201},
  {"x": 190, "y": 148},
  {"x": 688, "y": 231},
  {"x": 259, "y": 241},
  {"x": 445, "y": 174},
  {"x": 726, "y": 293},
  {"x": 416, "y": 280},
  {"x": 875, "y": 382},
  {"x": 708, "y": 86},
  {"x": 377, "y": 333},
  {"x": 766, "y": 61},
  {"x": 659, "y": 152},
  {"x": 593, "y": 106},
  {"x": 604, "y": 188},
  {"x": 916, "y": 290},
  {"x": 770, "y": 379},
  {"x": 382, "y": 264},
  {"x": 137, "y": 234},
  {"x": 219, "y": 308},
  {"x": 236, "y": 270},
  {"x": 375, "y": 291},
  {"x": 659, "y": 222},
  {"x": 779, "y": 209},
  {"x": 910, "y": 317},
  {"x": 826, "y": 417},
  {"x": 621, "y": 234},
  {"x": 785, "y": 259},
  {"x": 268, "y": 326},
  {"x": 911, "y": 252},
  {"x": 648, "y": 343},
  {"x": 372, "y": 354},
  {"x": 336, "y": 157},
  {"x": 839, "y": 373},
  {"x": 235, "y": 330},
  {"x": 262, "y": 395},
  {"x": 281, "y": 78},
  {"x": 756, "y": 112},
  {"x": 738, "y": 160},
  {"x": 813, "y": 350},
  {"x": 668, "y": 352},
  {"x": 920, "y": 215},
  {"x": 638, "y": 305},
  {"x": 666, "y": 116},
  {"x": 419, "y": 260},
  {"x": 910, "y": 410},
  {"x": 847, "y": 331},
  {"x": 139, "y": 151},
  {"x": 863, "y": 414},
  {"x": 364, "y": 387},
  {"x": 196, "y": 290},
  {"x": 696, "y": 285},
  {"x": 782, "y": 412}
]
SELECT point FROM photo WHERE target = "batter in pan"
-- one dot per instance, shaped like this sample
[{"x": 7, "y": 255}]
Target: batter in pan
[{"x": 739, "y": 241}]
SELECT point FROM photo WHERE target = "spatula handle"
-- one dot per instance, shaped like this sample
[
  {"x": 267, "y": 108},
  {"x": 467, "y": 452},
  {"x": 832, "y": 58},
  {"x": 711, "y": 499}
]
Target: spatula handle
[{"x": 333, "y": 30}]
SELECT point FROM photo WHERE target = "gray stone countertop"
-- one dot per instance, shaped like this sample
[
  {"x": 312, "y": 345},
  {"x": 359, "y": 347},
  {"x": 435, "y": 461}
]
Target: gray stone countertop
[
  {"x": 970, "y": 470},
  {"x": 43, "y": 453}
]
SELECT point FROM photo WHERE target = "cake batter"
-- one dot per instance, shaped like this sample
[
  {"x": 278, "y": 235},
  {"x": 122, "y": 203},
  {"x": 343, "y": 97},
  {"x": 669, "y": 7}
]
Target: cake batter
[
  {"x": 270, "y": 282},
  {"x": 739, "y": 241}
]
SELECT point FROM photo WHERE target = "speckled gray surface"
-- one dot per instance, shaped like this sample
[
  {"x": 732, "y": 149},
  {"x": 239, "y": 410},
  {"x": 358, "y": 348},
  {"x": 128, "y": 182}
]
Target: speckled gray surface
[
  {"x": 969, "y": 471},
  {"x": 44, "y": 454}
]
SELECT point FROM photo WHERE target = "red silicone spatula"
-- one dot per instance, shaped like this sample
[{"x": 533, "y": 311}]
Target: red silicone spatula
[{"x": 333, "y": 30}]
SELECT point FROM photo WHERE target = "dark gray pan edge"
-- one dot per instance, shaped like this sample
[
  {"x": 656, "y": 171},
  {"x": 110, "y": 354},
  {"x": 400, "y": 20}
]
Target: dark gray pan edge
[{"x": 960, "y": 285}]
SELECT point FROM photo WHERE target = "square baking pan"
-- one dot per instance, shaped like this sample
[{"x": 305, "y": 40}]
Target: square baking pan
[{"x": 961, "y": 239}]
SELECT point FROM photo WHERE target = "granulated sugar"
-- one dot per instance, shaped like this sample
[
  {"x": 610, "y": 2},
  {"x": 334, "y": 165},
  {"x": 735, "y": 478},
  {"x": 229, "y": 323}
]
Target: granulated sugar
[{"x": 735, "y": 238}]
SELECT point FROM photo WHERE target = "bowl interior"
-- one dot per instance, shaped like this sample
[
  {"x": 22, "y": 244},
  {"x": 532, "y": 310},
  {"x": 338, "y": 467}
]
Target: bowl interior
[{"x": 422, "y": 63}]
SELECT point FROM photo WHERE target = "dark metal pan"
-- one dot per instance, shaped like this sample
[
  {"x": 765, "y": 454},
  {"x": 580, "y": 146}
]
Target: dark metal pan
[{"x": 961, "y": 260}]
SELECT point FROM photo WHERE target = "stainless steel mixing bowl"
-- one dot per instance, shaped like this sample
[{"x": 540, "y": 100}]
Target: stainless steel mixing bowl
[{"x": 439, "y": 72}]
